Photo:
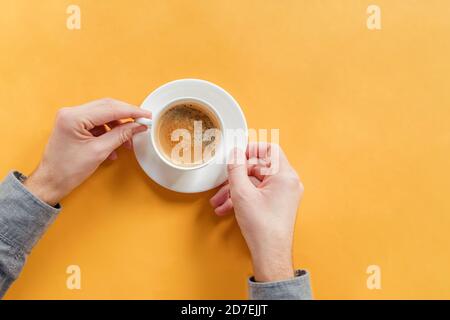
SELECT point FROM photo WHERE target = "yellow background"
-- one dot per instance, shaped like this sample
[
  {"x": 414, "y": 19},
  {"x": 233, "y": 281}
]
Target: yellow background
[{"x": 364, "y": 118}]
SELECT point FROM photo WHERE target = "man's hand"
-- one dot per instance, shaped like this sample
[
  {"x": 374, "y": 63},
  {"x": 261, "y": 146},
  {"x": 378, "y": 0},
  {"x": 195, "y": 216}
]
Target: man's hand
[
  {"x": 265, "y": 204},
  {"x": 83, "y": 137}
]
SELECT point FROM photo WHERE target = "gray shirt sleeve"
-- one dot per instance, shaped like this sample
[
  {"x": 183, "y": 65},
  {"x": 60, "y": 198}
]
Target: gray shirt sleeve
[
  {"x": 297, "y": 288},
  {"x": 23, "y": 220}
]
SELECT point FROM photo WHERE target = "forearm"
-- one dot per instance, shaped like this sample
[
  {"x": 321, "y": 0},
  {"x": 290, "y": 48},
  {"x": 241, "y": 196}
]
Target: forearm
[
  {"x": 23, "y": 220},
  {"x": 274, "y": 276}
]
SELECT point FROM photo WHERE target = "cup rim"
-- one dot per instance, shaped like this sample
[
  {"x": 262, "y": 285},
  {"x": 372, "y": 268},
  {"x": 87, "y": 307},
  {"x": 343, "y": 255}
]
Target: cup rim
[{"x": 169, "y": 105}]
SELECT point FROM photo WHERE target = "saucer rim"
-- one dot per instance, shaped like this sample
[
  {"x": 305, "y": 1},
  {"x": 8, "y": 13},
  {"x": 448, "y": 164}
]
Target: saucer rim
[{"x": 194, "y": 189}]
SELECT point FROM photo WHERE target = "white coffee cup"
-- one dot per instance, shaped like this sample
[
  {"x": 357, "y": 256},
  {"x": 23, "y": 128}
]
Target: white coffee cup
[{"x": 152, "y": 126}]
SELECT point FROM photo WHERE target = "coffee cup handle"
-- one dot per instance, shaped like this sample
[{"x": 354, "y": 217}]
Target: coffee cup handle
[{"x": 144, "y": 121}]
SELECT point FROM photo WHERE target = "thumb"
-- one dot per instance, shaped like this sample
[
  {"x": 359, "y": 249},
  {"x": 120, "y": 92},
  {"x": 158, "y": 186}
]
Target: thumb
[
  {"x": 237, "y": 171},
  {"x": 114, "y": 138}
]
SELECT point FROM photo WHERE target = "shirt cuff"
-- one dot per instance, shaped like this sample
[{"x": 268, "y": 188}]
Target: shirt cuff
[
  {"x": 23, "y": 216},
  {"x": 297, "y": 288}
]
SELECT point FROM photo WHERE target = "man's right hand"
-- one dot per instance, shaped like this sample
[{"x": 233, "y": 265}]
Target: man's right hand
[
  {"x": 265, "y": 192},
  {"x": 83, "y": 137}
]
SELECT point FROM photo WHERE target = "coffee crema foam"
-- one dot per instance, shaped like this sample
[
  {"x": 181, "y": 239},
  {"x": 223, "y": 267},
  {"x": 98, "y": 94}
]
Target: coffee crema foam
[{"x": 184, "y": 134}]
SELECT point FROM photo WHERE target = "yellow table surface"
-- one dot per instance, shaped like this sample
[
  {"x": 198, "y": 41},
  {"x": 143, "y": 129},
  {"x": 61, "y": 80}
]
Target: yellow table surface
[{"x": 364, "y": 118}]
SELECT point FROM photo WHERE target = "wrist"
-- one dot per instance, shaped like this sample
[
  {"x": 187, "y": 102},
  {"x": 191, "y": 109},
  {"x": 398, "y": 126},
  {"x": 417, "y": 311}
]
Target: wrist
[
  {"x": 273, "y": 267},
  {"x": 44, "y": 185}
]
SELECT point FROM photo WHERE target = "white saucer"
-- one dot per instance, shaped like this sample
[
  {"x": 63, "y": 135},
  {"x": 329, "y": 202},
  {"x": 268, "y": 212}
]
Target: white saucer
[{"x": 209, "y": 176}]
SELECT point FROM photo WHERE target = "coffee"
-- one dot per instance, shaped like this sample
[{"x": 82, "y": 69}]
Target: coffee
[{"x": 188, "y": 134}]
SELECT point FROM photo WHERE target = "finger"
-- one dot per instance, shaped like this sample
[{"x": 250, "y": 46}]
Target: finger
[
  {"x": 256, "y": 182},
  {"x": 278, "y": 160},
  {"x": 113, "y": 124},
  {"x": 225, "y": 208},
  {"x": 271, "y": 156},
  {"x": 263, "y": 150},
  {"x": 257, "y": 163},
  {"x": 258, "y": 153},
  {"x": 237, "y": 172},
  {"x": 114, "y": 138},
  {"x": 222, "y": 203},
  {"x": 220, "y": 197},
  {"x": 132, "y": 144},
  {"x": 259, "y": 172},
  {"x": 252, "y": 153},
  {"x": 259, "y": 150},
  {"x": 99, "y": 130},
  {"x": 112, "y": 156},
  {"x": 256, "y": 148},
  {"x": 106, "y": 110},
  {"x": 128, "y": 144},
  {"x": 252, "y": 149}
]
